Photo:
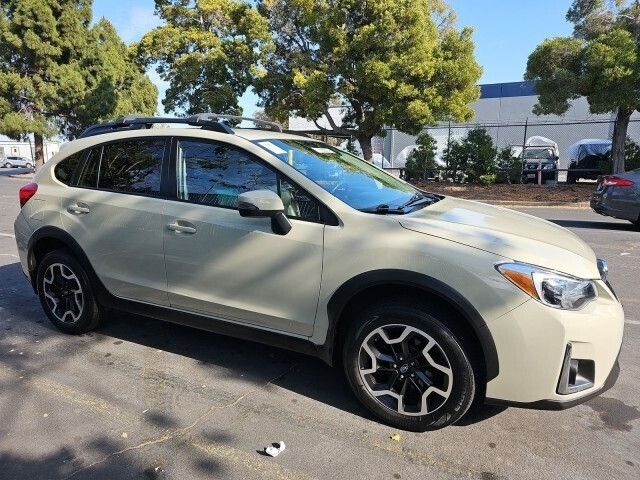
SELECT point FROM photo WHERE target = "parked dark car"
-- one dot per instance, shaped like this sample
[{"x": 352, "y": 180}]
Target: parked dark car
[
  {"x": 589, "y": 160},
  {"x": 543, "y": 157},
  {"x": 618, "y": 196}
]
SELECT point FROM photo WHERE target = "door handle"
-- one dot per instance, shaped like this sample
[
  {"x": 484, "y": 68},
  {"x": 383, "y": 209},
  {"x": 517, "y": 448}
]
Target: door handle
[
  {"x": 78, "y": 208},
  {"x": 181, "y": 227}
]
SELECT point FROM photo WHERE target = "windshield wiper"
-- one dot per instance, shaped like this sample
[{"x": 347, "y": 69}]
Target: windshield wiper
[
  {"x": 383, "y": 209},
  {"x": 418, "y": 198}
]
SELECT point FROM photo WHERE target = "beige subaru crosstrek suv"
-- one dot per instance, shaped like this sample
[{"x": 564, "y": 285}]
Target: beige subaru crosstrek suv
[{"x": 430, "y": 303}]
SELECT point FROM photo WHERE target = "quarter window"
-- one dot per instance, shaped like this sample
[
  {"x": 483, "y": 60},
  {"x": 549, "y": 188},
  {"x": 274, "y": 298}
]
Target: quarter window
[
  {"x": 65, "y": 170},
  {"x": 132, "y": 166}
]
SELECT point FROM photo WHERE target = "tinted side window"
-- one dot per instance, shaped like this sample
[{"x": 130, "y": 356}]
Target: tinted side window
[
  {"x": 132, "y": 166},
  {"x": 215, "y": 174},
  {"x": 88, "y": 177},
  {"x": 66, "y": 169}
]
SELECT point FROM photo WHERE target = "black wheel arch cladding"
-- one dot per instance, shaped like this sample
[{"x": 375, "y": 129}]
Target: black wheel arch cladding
[{"x": 430, "y": 286}]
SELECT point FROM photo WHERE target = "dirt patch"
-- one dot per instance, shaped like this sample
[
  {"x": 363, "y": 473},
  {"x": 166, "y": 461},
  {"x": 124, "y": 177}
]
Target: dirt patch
[{"x": 513, "y": 193}]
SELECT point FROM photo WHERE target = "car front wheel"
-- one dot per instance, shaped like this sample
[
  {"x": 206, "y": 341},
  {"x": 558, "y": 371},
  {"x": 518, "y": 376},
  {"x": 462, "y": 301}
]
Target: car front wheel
[
  {"x": 66, "y": 294},
  {"x": 407, "y": 367}
]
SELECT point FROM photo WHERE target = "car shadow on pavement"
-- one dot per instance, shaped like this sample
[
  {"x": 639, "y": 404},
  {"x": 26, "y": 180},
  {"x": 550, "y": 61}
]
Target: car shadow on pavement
[
  {"x": 251, "y": 362},
  {"x": 627, "y": 227}
]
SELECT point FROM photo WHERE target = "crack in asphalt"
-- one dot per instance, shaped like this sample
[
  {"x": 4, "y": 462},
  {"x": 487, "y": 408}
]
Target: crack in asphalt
[{"x": 179, "y": 431}]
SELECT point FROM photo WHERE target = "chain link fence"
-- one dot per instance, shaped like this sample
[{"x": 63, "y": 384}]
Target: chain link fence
[{"x": 397, "y": 146}]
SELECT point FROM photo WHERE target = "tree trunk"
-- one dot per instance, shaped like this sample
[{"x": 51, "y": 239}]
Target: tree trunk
[
  {"x": 365, "y": 146},
  {"x": 39, "y": 149},
  {"x": 619, "y": 137}
]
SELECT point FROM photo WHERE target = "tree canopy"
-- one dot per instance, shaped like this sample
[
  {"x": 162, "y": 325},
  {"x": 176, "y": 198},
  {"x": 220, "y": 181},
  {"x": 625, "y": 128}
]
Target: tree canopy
[
  {"x": 58, "y": 74},
  {"x": 601, "y": 62},
  {"x": 386, "y": 62},
  {"x": 208, "y": 51}
]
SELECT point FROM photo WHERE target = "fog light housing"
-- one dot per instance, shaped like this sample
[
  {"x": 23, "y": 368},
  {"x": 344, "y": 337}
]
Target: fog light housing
[{"x": 576, "y": 374}]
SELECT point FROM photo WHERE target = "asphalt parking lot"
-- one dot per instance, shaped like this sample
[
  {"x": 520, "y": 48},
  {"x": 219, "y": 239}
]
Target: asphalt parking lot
[{"x": 139, "y": 398}]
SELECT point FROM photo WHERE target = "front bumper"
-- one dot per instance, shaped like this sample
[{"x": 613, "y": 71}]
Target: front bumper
[{"x": 532, "y": 340}]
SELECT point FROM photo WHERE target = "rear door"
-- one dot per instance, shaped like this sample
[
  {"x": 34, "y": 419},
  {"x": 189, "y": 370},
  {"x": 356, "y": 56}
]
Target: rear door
[
  {"x": 235, "y": 268},
  {"x": 115, "y": 212}
]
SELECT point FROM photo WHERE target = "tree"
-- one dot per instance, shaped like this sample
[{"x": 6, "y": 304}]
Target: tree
[
  {"x": 601, "y": 62},
  {"x": 116, "y": 84},
  {"x": 208, "y": 51},
  {"x": 261, "y": 115},
  {"x": 57, "y": 73},
  {"x": 472, "y": 157},
  {"x": 508, "y": 167},
  {"x": 400, "y": 63},
  {"x": 422, "y": 162}
]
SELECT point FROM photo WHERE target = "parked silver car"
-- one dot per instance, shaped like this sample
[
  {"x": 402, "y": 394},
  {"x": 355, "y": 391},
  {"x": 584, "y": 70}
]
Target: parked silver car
[
  {"x": 618, "y": 196},
  {"x": 15, "y": 161}
]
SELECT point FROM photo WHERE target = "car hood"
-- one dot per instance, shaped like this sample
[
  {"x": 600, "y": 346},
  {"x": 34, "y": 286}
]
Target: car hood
[{"x": 509, "y": 234}]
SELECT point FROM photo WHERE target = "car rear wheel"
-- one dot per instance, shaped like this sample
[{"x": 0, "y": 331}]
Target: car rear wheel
[
  {"x": 66, "y": 294},
  {"x": 407, "y": 367},
  {"x": 8, "y": 165}
]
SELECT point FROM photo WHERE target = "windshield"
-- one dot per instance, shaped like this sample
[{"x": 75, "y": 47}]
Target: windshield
[
  {"x": 354, "y": 181},
  {"x": 543, "y": 153}
]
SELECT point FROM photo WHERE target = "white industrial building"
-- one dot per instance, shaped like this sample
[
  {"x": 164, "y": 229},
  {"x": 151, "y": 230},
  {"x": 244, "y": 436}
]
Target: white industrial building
[
  {"x": 505, "y": 110},
  {"x": 16, "y": 148}
]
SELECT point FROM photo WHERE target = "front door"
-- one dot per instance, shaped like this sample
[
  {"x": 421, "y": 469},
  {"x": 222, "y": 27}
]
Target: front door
[{"x": 235, "y": 268}]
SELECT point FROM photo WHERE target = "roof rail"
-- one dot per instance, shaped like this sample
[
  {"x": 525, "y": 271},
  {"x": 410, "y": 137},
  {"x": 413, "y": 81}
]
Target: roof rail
[
  {"x": 209, "y": 121},
  {"x": 218, "y": 116}
]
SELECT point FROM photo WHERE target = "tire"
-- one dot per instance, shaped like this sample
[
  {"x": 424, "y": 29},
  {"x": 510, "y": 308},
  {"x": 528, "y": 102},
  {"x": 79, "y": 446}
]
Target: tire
[
  {"x": 449, "y": 369},
  {"x": 66, "y": 294},
  {"x": 571, "y": 179},
  {"x": 29, "y": 166},
  {"x": 8, "y": 165}
]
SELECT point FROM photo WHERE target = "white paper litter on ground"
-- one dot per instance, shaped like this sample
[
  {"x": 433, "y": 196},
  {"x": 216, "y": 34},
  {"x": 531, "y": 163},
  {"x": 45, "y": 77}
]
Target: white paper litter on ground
[{"x": 275, "y": 451}]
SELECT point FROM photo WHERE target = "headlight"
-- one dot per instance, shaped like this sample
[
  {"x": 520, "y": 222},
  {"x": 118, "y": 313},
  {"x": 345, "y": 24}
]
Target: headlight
[{"x": 551, "y": 288}]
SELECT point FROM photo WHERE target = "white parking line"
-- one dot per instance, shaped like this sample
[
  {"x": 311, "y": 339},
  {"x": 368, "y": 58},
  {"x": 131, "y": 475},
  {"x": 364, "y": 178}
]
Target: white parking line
[{"x": 632, "y": 322}]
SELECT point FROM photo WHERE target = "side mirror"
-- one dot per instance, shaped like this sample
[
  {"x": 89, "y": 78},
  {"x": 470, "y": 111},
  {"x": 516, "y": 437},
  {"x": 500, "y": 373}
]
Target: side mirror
[{"x": 267, "y": 204}]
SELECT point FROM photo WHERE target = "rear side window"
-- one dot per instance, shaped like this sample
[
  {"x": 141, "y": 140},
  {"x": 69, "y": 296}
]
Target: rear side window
[
  {"x": 66, "y": 169},
  {"x": 132, "y": 166}
]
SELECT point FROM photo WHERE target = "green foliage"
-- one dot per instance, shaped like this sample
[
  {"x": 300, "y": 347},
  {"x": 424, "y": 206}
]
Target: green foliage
[
  {"x": 631, "y": 155},
  {"x": 58, "y": 74},
  {"x": 388, "y": 62},
  {"x": 601, "y": 62},
  {"x": 508, "y": 167},
  {"x": 422, "y": 164},
  {"x": 472, "y": 157},
  {"x": 486, "y": 180},
  {"x": 208, "y": 51}
]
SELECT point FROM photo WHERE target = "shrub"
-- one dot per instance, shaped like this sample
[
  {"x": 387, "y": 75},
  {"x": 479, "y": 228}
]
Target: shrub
[
  {"x": 488, "y": 179},
  {"x": 471, "y": 157},
  {"x": 422, "y": 164},
  {"x": 508, "y": 167}
]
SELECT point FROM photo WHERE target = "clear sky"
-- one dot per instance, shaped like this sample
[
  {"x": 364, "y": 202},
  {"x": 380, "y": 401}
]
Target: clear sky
[{"x": 505, "y": 32}]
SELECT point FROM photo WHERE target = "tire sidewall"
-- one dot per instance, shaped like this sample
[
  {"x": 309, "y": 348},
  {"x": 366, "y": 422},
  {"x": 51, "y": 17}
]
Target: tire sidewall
[
  {"x": 90, "y": 313},
  {"x": 463, "y": 389}
]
